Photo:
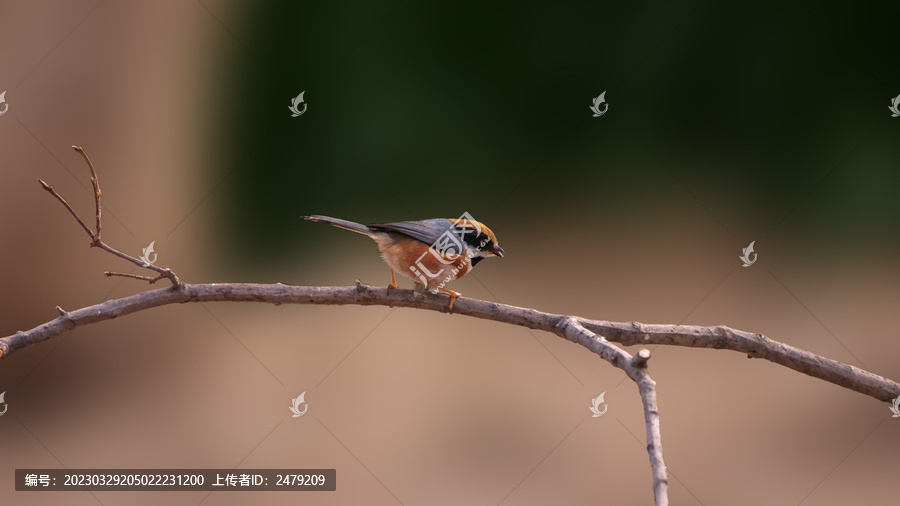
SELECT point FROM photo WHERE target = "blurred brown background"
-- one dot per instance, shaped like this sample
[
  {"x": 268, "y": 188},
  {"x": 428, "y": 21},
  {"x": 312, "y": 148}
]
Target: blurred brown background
[{"x": 726, "y": 125}]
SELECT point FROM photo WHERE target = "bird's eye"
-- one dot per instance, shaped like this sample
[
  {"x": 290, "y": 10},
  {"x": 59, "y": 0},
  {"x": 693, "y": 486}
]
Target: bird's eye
[{"x": 474, "y": 240}]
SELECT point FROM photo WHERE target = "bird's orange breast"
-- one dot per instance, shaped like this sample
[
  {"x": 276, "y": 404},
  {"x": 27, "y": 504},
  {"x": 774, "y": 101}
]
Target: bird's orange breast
[{"x": 418, "y": 261}]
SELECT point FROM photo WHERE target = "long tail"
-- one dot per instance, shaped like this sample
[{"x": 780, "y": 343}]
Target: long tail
[{"x": 337, "y": 222}]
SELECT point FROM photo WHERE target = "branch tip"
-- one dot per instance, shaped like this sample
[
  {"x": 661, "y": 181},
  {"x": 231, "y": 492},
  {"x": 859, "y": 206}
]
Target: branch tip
[
  {"x": 134, "y": 276},
  {"x": 95, "y": 182},
  {"x": 95, "y": 235},
  {"x": 641, "y": 358}
]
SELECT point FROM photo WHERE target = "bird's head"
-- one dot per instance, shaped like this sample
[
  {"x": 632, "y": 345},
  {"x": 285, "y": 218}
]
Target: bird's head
[{"x": 481, "y": 242}]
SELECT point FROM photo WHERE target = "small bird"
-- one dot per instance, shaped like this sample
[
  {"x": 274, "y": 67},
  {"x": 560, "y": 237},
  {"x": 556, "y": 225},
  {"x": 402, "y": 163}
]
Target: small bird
[{"x": 430, "y": 252}]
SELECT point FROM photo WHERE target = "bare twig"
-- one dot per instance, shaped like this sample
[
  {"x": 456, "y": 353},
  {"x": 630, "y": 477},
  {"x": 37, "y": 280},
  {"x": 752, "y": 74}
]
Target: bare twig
[
  {"x": 636, "y": 369},
  {"x": 96, "y": 239},
  {"x": 754, "y": 346},
  {"x": 151, "y": 279},
  {"x": 95, "y": 182},
  {"x": 53, "y": 192}
]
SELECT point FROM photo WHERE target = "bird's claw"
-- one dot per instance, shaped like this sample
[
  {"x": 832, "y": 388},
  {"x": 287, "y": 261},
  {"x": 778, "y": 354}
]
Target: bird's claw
[{"x": 453, "y": 296}]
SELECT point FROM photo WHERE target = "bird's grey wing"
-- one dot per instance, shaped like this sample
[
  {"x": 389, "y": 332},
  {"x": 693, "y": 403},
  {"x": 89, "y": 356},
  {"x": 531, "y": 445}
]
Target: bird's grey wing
[{"x": 427, "y": 231}]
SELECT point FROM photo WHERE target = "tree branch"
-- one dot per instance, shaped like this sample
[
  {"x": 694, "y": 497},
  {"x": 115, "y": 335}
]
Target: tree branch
[
  {"x": 96, "y": 239},
  {"x": 592, "y": 334},
  {"x": 95, "y": 182},
  {"x": 754, "y": 346},
  {"x": 627, "y": 334},
  {"x": 636, "y": 369}
]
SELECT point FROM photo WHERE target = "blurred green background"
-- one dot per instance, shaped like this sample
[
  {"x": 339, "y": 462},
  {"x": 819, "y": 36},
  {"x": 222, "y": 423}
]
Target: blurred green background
[{"x": 419, "y": 110}]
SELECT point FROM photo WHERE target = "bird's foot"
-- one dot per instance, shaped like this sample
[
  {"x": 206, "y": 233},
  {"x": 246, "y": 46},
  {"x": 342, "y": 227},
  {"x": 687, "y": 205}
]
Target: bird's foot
[
  {"x": 393, "y": 281},
  {"x": 453, "y": 297}
]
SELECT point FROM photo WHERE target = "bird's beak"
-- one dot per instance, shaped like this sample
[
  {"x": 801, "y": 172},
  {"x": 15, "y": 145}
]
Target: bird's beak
[{"x": 497, "y": 250}]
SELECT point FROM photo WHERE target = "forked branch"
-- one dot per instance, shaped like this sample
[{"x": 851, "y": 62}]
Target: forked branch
[{"x": 96, "y": 238}]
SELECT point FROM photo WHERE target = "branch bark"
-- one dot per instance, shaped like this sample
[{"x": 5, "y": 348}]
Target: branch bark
[
  {"x": 627, "y": 334},
  {"x": 636, "y": 369}
]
